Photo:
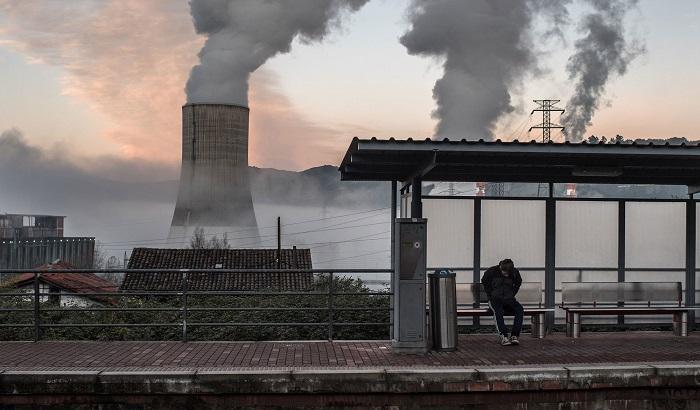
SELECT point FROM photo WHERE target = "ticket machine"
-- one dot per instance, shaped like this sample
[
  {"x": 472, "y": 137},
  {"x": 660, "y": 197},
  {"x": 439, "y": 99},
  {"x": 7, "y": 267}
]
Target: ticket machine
[{"x": 409, "y": 286}]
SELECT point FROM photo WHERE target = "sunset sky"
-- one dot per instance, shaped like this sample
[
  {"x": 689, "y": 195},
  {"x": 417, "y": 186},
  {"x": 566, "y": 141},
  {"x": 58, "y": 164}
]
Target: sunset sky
[{"x": 96, "y": 78}]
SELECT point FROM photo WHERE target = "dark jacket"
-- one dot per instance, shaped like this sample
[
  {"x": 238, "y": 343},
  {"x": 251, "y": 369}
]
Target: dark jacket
[{"x": 500, "y": 286}]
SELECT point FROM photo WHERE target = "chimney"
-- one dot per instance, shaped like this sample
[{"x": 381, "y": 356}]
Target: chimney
[{"x": 214, "y": 185}]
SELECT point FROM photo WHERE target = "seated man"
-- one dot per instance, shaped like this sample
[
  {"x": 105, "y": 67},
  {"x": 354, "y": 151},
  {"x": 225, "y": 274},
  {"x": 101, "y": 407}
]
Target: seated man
[{"x": 501, "y": 283}]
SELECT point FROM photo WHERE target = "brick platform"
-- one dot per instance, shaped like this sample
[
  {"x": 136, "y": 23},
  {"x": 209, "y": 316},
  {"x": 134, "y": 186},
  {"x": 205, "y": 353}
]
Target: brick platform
[
  {"x": 474, "y": 351},
  {"x": 612, "y": 371}
]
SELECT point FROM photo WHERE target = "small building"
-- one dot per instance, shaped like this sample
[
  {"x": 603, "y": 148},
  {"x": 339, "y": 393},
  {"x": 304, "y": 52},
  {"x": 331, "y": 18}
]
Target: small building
[
  {"x": 153, "y": 258},
  {"x": 63, "y": 287}
]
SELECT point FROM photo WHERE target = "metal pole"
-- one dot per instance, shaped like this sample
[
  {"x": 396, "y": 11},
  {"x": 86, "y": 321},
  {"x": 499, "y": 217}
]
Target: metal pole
[
  {"x": 621, "y": 246},
  {"x": 394, "y": 187},
  {"x": 279, "y": 242},
  {"x": 417, "y": 198},
  {"x": 330, "y": 306},
  {"x": 690, "y": 257},
  {"x": 476, "y": 274},
  {"x": 184, "y": 306},
  {"x": 37, "y": 322},
  {"x": 393, "y": 218},
  {"x": 549, "y": 258}
]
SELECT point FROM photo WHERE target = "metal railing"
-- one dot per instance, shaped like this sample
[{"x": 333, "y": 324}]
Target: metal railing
[{"x": 332, "y": 295}]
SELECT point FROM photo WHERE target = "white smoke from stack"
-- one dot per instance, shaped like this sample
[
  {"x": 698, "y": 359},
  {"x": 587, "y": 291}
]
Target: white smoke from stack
[
  {"x": 601, "y": 53},
  {"x": 487, "y": 49},
  {"x": 243, "y": 34}
]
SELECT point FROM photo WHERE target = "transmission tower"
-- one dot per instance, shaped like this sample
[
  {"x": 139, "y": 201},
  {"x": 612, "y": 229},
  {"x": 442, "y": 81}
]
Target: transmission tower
[{"x": 546, "y": 107}]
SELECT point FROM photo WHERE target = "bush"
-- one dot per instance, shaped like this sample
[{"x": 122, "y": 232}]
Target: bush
[{"x": 277, "y": 309}]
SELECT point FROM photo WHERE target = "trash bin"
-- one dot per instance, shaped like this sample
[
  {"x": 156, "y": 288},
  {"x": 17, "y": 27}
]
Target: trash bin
[{"x": 443, "y": 309}]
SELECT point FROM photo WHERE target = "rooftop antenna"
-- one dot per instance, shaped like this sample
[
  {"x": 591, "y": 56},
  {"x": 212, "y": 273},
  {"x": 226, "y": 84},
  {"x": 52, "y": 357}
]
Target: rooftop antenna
[{"x": 546, "y": 107}]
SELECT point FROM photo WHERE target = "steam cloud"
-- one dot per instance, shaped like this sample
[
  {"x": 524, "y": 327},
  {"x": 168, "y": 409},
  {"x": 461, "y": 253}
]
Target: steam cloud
[
  {"x": 243, "y": 34},
  {"x": 487, "y": 49},
  {"x": 600, "y": 54}
]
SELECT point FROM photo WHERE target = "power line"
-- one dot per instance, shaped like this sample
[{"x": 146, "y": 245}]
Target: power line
[
  {"x": 275, "y": 235},
  {"x": 354, "y": 256},
  {"x": 166, "y": 240}
]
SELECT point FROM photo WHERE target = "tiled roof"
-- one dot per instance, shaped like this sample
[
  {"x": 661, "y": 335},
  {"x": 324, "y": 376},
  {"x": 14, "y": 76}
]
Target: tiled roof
[
  {"x": 69, "y": 282},
  {"x": 152, "y": 258}
]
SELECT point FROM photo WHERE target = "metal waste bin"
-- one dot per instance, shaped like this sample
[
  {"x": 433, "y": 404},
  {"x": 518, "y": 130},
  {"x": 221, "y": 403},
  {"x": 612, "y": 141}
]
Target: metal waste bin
[{"x": 443, "y": 309}]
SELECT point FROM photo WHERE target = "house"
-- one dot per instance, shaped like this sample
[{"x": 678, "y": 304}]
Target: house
[
  {"x": 57, "y": 285},
  {"x": 153, "y": 258}
]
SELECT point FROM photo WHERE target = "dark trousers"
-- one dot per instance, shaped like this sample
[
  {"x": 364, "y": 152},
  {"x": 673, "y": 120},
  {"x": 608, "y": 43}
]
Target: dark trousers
[{"x": 500, "y": 307}]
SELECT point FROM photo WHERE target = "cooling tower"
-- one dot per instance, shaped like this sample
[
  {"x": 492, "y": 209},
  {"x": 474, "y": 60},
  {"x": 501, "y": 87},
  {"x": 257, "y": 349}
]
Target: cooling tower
[{"x": 214, "y": 187}]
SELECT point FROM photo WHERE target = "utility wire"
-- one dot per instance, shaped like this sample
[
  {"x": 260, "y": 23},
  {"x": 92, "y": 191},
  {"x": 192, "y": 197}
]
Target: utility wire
[
  {"x": 275, "y": 235},
  {"x": 354, "y": 256},
  {"x": 166, "y": 240}
]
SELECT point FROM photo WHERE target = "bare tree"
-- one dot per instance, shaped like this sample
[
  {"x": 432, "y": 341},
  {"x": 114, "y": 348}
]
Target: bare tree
[
  {"x": 199, "y": 240},
  {"x": 99, "y": 257}
]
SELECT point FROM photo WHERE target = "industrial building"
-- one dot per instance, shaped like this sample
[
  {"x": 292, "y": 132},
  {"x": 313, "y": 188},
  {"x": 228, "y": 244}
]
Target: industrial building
[
  {"x": 28, "y": 226},
  {"x": 214, "y": 189},
  {"x": 28, "y": 241}
]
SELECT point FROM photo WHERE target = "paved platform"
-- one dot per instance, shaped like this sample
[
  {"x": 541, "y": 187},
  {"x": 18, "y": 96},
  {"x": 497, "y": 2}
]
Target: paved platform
[
  {"x": 474, "y": 350},
  {"x": 600, "y": 370}
]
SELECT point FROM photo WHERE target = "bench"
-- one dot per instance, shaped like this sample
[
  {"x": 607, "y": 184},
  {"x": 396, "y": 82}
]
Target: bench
[
  {"x": 623, "y": 298},
  {"x": 529, "y": 295}
]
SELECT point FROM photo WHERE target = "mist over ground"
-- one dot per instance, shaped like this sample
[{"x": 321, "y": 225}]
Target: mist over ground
[{"x": 129, "y": 203}]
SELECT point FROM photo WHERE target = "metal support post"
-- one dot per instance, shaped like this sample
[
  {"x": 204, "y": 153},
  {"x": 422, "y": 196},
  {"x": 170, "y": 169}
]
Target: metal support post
[
  {"x": 394, "y": 186},
  {"x": 476, "y": 274},
  {"x": 621, "y": 246},
  {"x": 417, "y": 198},
  {"x": 549, "y": 258},
  {"x": 538, "y": 325},
  {"x": 690, "y": 257}
]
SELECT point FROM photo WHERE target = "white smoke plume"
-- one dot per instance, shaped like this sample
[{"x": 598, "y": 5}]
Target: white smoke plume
[
  {"x": 601, "y": 53},
  {"x": 487, "y": 50},
  {"x": 243, "y": 34}
]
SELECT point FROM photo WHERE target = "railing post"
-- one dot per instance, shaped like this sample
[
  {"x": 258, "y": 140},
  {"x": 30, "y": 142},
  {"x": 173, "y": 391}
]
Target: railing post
[
  {"x": 330, "y": 306},
  {"x": 37, "y": 300},
  {"x": 184, "y": 306}
]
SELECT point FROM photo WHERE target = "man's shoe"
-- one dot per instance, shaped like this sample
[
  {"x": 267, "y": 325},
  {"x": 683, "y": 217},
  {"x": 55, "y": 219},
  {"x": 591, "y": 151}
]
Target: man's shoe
[
  {"x": 505, "y": 340},
  {"x": 514, "y": 340}
]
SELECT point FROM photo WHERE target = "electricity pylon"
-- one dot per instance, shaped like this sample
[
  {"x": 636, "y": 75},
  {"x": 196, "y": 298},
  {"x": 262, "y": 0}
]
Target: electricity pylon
[{"x": 546, "y": 106}]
